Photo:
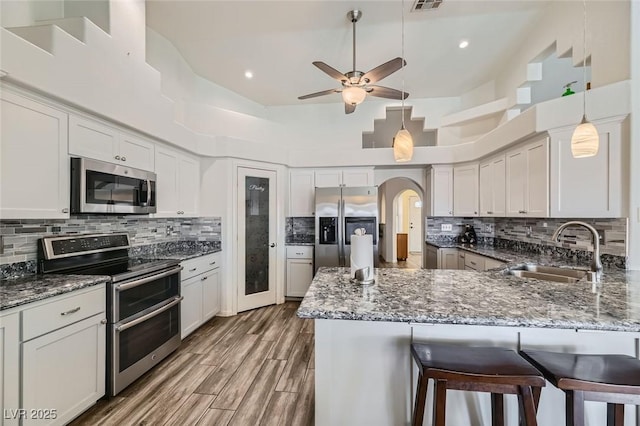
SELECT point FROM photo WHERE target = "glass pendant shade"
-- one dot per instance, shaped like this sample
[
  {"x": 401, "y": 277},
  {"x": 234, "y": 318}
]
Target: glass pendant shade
[
  {"x": 585, "y": 140},
  {"x": 353, "y": 95},
  {"x": 403, "y": 146}
]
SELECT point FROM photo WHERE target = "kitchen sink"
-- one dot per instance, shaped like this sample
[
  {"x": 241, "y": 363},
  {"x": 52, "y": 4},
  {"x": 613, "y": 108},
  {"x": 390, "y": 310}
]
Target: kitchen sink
[{"x": 548, "y": 273}]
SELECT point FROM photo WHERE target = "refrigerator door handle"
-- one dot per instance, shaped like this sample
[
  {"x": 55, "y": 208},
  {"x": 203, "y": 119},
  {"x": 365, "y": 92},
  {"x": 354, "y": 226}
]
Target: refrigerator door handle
[{"x": 341, "y": 261}]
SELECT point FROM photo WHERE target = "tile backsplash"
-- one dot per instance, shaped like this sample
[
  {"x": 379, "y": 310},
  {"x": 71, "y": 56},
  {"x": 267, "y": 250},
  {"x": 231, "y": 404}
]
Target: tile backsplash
[
  {"x": 538, "y": 231},
  {"x": 19, "y": 237},
  {"x": 300, "y": 230}
]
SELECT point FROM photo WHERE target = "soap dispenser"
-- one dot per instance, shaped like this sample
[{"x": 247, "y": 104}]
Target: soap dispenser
[{"x": 568, "y": 87}]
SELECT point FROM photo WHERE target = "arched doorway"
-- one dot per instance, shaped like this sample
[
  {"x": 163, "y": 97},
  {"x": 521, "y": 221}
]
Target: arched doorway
[{"x": 400, "y": 206}]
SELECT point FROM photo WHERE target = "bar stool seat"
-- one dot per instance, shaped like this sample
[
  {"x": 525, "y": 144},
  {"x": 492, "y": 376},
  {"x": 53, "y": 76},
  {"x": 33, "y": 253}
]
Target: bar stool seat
[
  {"x": 614, "y": 379},
  {"x": 483, "y": 369}
]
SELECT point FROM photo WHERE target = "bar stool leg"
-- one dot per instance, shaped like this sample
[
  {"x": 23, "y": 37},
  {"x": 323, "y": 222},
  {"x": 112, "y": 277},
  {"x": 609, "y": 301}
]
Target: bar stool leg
[
  {"x": 439, "y": 402},
  {"x": 615, "y": 414},
  {"x": 527, "y": 405},
  {"x": 497, "y": 409},
  {"x": 421, "y": 397},
  {"x": 574, "y": 408}
]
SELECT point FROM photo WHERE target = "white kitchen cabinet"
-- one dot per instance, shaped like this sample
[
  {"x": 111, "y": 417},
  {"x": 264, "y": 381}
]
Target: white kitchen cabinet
[
  {"x": 461, "y": 257},
  {"x": 440, "y": 191},
  {"x": 92, "y": 139},
  {"x": 328, "y": 178},
  {"x": 34, "y": 165},
  {"x": 302, "y": 189},
  {"x": 299, "y": 270},
  {"x": 465, "y": 190},
  {"x": 63, "y": 368},
  {"x": 357, "y": 177},
  {"x": 178, "y": 183},
  {"x": 9, "y": 371},
  {"x": 527, "y": 179},
  {"x": 200, "y": 289},
  {"x": 361, "y": 176},
  {"x": 592, "y": 186},
  {"x": 474, "y": 261},
  {"x": 448, "y": 258},
  {"x": 493, "y": 187}
]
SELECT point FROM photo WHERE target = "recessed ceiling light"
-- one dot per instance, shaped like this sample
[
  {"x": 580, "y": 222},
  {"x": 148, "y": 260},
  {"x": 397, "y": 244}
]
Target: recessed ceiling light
[
  {"x": 248, "y": 74},
  {"x": 463, "y": 44}
]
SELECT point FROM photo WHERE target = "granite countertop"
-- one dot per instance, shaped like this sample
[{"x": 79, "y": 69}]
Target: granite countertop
[
  {"x": 476, "y": 298},
  {"x": 20, "y": 291},
  {"x": 311, "y": 243},
  {"x": 183, "y": 254}
]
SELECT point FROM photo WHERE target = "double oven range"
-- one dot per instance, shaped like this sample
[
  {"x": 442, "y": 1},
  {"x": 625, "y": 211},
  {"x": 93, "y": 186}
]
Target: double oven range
[{"x": 143, "y": 299}]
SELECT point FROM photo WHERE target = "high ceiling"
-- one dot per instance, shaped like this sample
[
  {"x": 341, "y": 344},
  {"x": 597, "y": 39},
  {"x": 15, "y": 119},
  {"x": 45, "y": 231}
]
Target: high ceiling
[{"x": 278, "y": 40}]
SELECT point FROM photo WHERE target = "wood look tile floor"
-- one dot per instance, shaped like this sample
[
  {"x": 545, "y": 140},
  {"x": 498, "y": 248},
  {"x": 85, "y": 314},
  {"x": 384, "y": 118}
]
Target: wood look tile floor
[
  {"x": 256, "y": 368},
  {"x": 414, "y": 261}
]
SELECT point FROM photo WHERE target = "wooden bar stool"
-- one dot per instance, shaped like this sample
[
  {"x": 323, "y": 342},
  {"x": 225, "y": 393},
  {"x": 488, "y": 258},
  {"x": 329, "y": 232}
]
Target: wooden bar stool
[
  {"x": 483, "y": 369},
  {"x": 614, "y": 379}
]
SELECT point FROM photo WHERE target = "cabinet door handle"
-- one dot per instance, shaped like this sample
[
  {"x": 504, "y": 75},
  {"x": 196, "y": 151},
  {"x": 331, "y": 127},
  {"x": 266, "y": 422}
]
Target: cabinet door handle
[
  {"x": 310, "y": 263},
  {"x": 473, "y": 263},
  {"x": 212, "y": 263},
  {"x": 450, "y": 212},
  {"x": 299, "y": 253},
  {"x": 272, "y": 245},
  {"x": 124, "y": 158},
  {"x": 65, "y": 210},
  {"x": 203, "y": 278},
  {"x": 475, "y": 212},
  {"x": 193, "y": 270},
  {"x": 103, "y": 321},
  {"x": 71, "y": 311},
  {"x": 522, "y": 211},
  {"x": 117, "y": 157}
]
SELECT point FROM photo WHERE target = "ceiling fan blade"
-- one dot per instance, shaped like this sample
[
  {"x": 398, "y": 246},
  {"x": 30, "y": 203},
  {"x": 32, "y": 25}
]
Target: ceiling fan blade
[
  {"x": 386, "y": 92},
  {"x": 314, "y": 95},
  {"x": 381, "y": 71},
  {"x": 348, "y": 108},
  {"x": 332, "y": 72}
]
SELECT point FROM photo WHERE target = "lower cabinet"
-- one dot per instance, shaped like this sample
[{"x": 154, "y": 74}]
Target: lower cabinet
[
  {"x": 61, "y": 353},
  {"x": 200, "y": 289},
  {"x": 432, "y": 257},
  {"x": 299, "y": 270},
  {"x": 448, "y": 258},
  {"x": 9, "y": 373},
  {"x": 453, "y": 258}
]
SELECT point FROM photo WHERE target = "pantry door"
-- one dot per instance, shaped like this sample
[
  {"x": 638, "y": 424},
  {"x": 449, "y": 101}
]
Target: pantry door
[{"x": 256, "y": 238}]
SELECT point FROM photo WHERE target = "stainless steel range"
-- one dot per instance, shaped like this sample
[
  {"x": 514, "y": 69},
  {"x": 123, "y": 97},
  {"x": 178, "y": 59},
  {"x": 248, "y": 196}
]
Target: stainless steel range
[{"x": 143, "y": 299}]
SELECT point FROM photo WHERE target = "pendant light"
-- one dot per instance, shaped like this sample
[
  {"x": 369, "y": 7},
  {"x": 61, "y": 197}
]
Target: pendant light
[
  {"x": 402, "y": 142},
  {"x": 585, "y": 140}
]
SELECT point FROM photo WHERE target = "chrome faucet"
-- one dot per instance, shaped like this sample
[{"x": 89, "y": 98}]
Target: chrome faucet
[{"x": 596, "y": 264}]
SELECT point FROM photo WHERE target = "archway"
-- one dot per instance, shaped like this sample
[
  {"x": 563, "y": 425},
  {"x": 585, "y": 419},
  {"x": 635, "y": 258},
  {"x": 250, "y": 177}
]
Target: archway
[{"x": 393, "y": 193}]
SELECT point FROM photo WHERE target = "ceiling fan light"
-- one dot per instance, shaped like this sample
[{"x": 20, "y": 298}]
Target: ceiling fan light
[
  {"x": 585, "y": 141},
  {"x": 403, "y": 146},
  {"x": 353, "y": 95}
]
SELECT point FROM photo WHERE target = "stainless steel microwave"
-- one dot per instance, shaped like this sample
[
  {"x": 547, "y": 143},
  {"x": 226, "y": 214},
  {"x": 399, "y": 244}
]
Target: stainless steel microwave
[{"x": 99, "y": 187}]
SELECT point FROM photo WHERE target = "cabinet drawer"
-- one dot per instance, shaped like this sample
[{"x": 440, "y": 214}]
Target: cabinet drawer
[
  {"x": 299, "y": 252},
  {"x": 474, "y": 261},
  {"x": 62, "y": 311},
  {"x": 198, "y": 265}
]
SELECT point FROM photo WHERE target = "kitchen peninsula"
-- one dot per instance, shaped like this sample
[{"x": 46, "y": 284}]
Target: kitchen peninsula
[{"x": 364, "y": 372}]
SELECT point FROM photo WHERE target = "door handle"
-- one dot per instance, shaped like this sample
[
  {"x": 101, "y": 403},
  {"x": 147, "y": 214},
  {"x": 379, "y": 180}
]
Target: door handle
[{"x": 272, "y": 245}]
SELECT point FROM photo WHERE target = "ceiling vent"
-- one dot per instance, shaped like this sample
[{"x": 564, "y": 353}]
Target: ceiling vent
[{"x": 421, "y": 5}]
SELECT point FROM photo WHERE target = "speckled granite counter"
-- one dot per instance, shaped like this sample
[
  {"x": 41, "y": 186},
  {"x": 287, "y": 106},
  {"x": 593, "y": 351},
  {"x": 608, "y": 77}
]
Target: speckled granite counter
[
  {"x": 181, "y": 250},
  {"x": 182, "y": 254},
  {"x": 475, "y": 298},
  {"x": 20, "y": 291},
  {"x": 300, "y": 244}
]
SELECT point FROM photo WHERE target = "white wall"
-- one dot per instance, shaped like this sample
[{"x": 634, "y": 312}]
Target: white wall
[{"x": 562, "y": 22}]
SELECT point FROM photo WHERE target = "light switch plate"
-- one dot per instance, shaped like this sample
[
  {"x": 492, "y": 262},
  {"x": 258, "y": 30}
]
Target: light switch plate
[{"x": 446, "y": 227}]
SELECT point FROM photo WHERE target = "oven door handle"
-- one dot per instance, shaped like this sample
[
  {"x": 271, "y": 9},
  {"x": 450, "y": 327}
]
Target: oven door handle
[
  {"x": 148, "y": 193},
  {"x": 150, "y": 315},
  {"x": 136, "y": 283}
]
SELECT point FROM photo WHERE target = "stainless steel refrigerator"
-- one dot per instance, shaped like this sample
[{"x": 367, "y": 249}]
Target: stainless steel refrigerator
[{"x": 339, "y": 211}]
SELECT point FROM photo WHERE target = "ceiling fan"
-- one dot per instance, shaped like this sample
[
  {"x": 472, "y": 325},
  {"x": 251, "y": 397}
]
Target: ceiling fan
[{"x": 356, "y": 85}]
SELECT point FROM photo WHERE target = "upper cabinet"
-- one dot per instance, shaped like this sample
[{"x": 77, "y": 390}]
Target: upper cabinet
[
  {"x": 301, "y": 193},
  {"x": 326, "y": 178},
  {"x": 178, "y": 184},
  {"x": 440, "y": 191},
  {"x": 465, "y": 190},
  {"x": 303, "y": 184},
  {"x": 493, "y": 187},
  {"x": 592, "y": 186},
  {"x": 527, "y": 179},
  {"x": 92, "y": 139},
  {"x": 34, "y": 165}
]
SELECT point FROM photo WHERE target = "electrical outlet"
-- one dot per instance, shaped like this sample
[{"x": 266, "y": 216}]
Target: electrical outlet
[
  {"x": 446, "y": 227},
  {"x": 488, "y": 227}
]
